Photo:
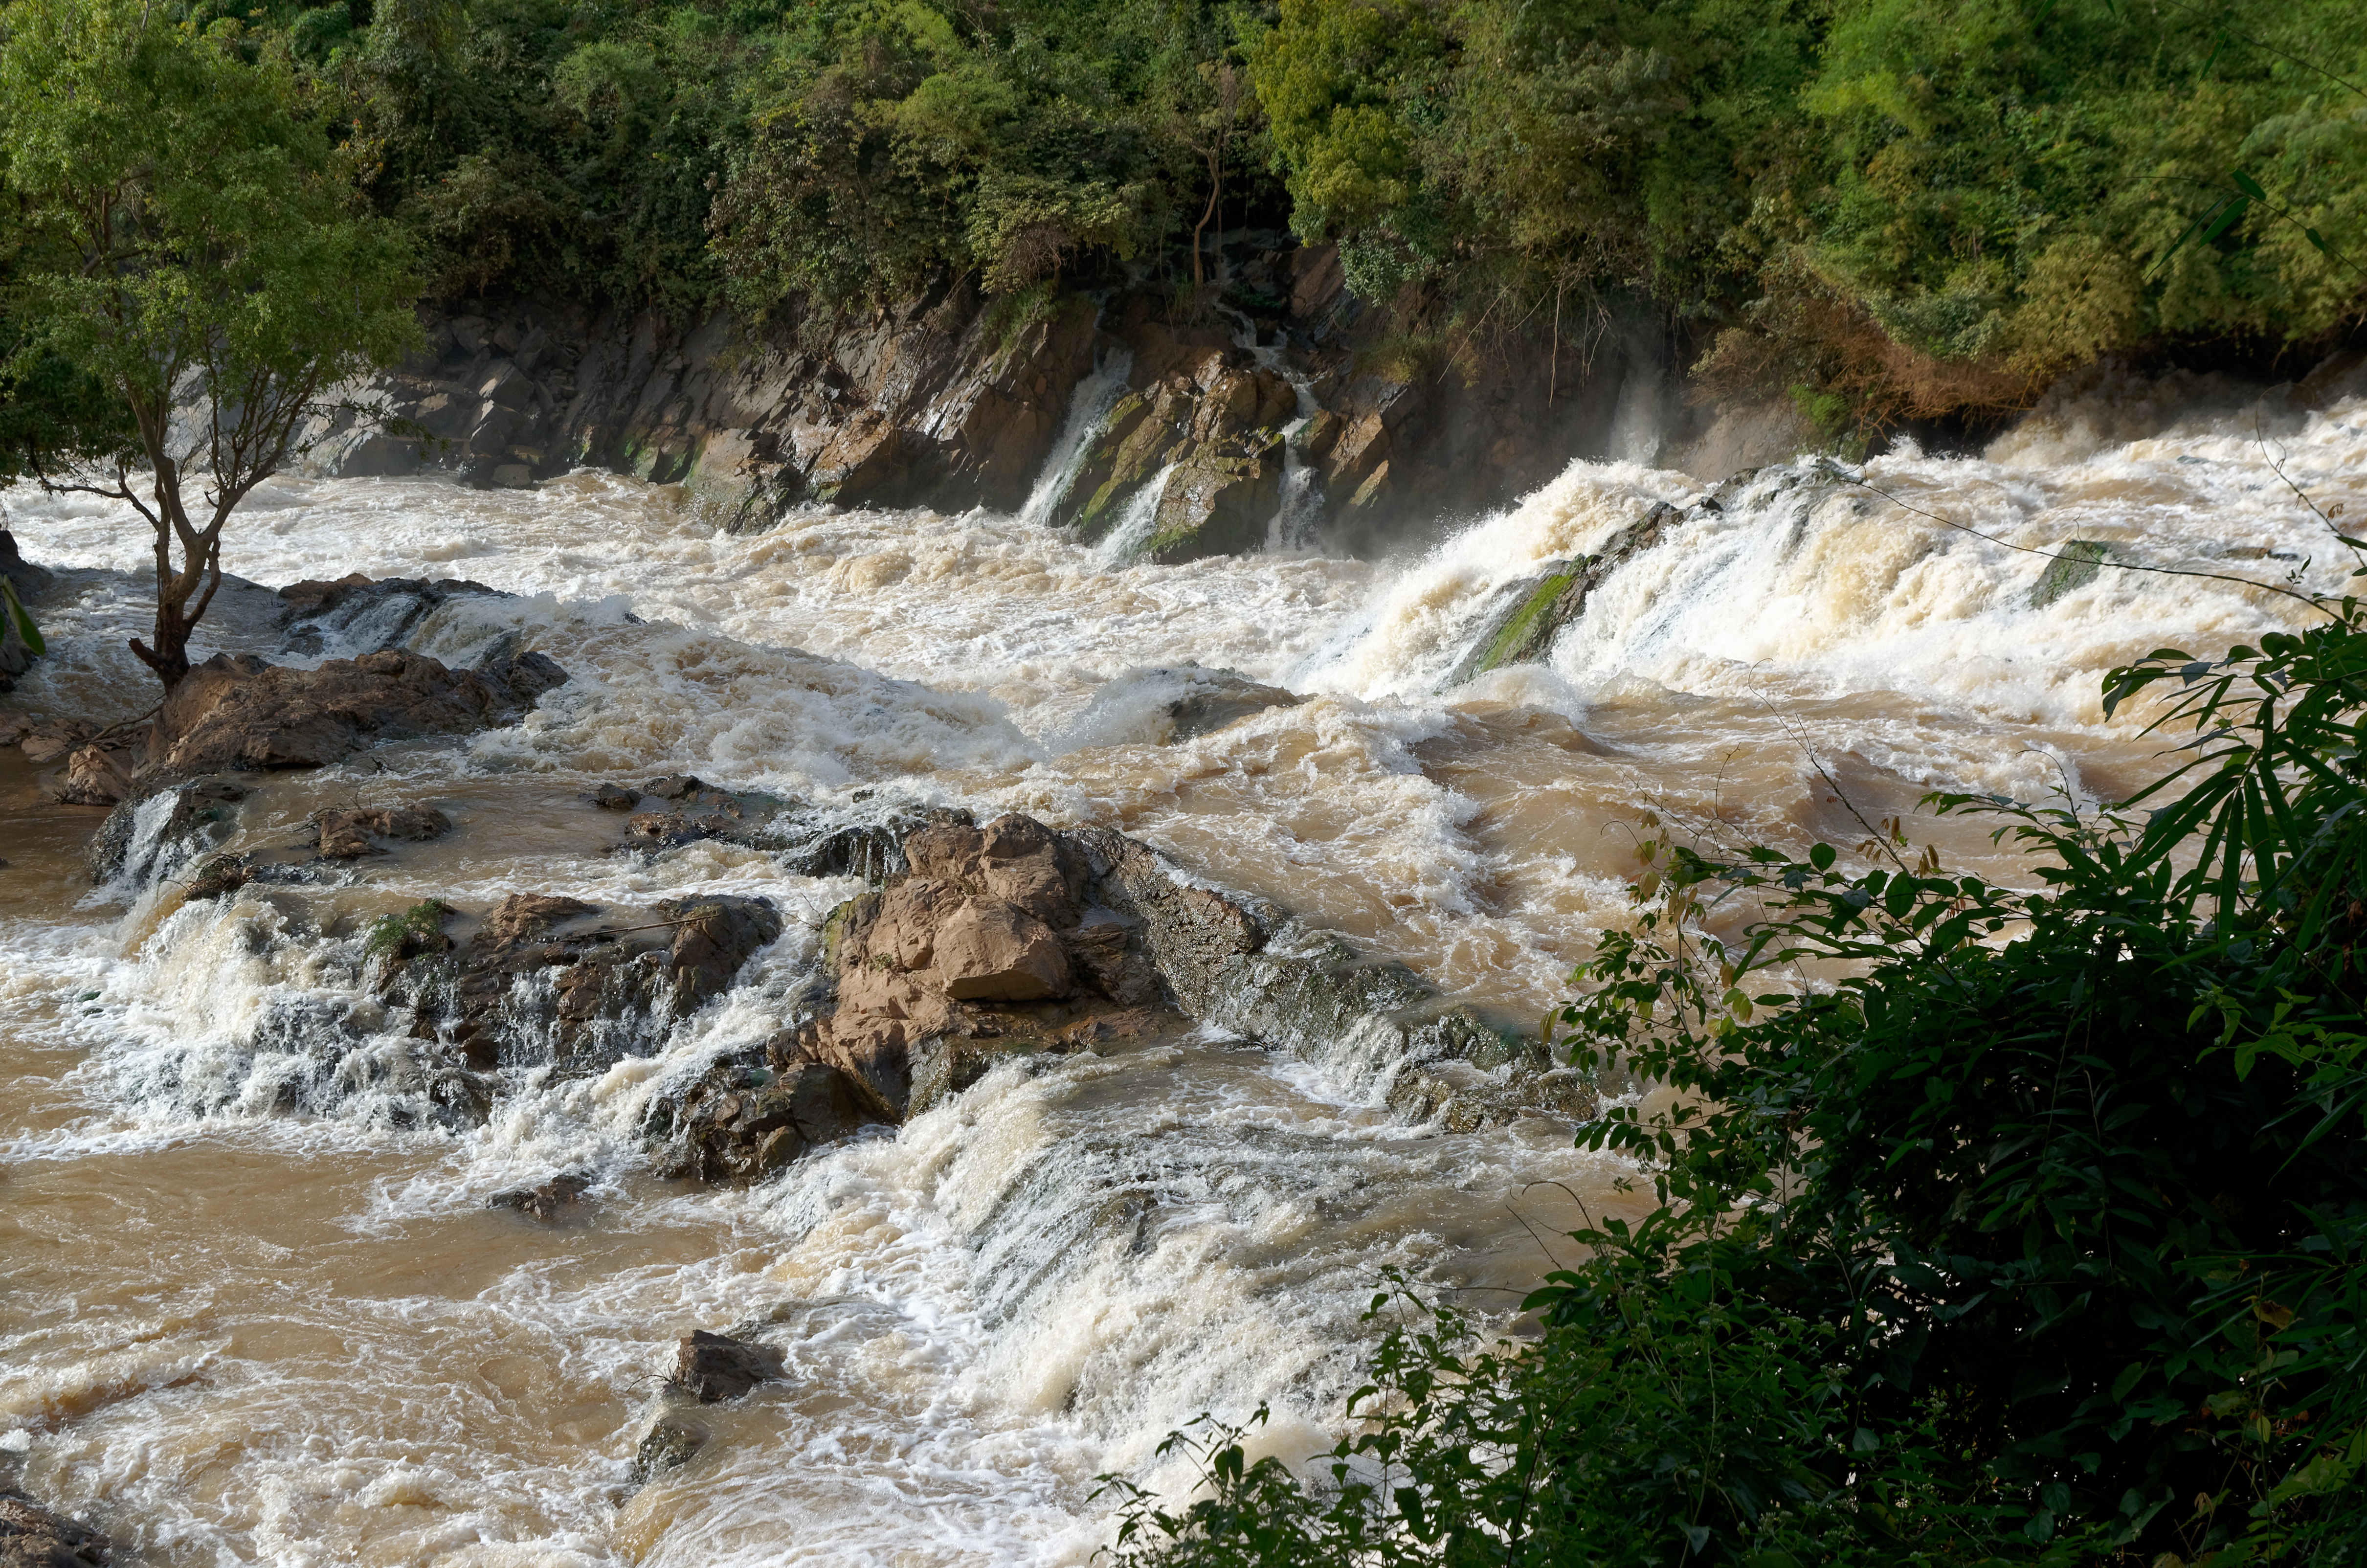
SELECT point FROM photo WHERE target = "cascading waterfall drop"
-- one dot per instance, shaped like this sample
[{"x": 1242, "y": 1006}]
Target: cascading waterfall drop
[
  {"x": 1088, "y": 406},
  {"x": 1138, "y": 521},
  {"x": 1300, "y": 512}
]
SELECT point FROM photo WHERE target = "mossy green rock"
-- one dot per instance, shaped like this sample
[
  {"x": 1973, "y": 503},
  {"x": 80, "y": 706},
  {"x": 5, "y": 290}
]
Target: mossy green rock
[
  {"x": 1525, "y": 631},
  {"x": 2076, "y": 563},
  {"x": 1545, "y": 605},
  {"x": 1217, "y": 503}
]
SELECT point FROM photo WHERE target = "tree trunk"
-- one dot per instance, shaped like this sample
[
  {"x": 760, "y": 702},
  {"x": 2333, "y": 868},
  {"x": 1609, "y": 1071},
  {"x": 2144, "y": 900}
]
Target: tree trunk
[
  {"x": 170, "y": 657},
  {"x": 1216, "y": 186},
  {"x": 200, "y": 568}
]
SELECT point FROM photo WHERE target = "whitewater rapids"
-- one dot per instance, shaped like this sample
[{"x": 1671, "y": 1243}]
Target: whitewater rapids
[{"x": 233, "y": 1334}]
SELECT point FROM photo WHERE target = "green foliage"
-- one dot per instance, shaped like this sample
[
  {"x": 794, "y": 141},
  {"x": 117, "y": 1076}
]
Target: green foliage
[
  {"x": 2048, "y": 1218},
  {"x": 2040, "y": 184},
  {"x": 838, "y": 150},
  {"x": 185, "y": 235},
  {"x": 1898, "y": 208},
  {"x": 52, "y": 413},
  {"x": 418, "y": 929},
  {"x": 894, "y": 140},
  {"x": 13, "y": 610},
  {"x": 1883, "y": 208},
  {"x": 1657, "y": 1420}
]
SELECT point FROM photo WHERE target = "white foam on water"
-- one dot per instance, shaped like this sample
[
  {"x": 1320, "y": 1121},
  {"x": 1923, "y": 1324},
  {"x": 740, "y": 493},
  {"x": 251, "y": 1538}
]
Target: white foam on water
[{"x": 1031, "y": 1285}]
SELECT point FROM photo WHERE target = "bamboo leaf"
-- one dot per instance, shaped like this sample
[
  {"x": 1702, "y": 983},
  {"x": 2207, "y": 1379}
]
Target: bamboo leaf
[
  {"x": 2190, "y": 230},
  {"x": 25, "y": 626},
  {"x": 2225, "y": 219}
]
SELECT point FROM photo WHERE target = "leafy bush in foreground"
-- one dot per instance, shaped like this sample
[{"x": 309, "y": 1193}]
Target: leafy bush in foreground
[{"x": 2038, "y": 1239}]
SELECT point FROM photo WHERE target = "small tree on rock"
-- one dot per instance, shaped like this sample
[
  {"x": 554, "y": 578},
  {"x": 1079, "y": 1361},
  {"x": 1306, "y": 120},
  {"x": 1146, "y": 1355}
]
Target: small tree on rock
[{"x": 186, "y": 236}]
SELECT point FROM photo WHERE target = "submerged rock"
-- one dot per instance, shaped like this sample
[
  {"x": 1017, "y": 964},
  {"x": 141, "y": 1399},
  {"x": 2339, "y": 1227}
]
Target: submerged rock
[
  {"x": 740, "y": 1123},
  {"x": 32, "y": 1537},
  {"x": 561, "y": 1197},
  {"x": 679, "y": 809},
  {"x": 1164, "y": 704},
  {"x": 350, "y": 834},
  {"x": 238, "y": 712},
  {"x": 535, "y": 985},
  {"x": 367, "y": 615},
  {"x": 2076, "y": 562},
  {"x": 219, "y": 875},
  {"x": 1218, "y": 698},
  {"x": 669, "y": 1440},
  {"x": 203, "y": 814}
]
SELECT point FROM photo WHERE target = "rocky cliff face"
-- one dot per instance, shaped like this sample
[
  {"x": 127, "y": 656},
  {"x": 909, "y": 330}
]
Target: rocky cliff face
[{"x": 1211, "y": 428}]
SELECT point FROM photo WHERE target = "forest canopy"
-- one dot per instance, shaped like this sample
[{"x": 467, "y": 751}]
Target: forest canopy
[{"x": 1890, "y": 209}]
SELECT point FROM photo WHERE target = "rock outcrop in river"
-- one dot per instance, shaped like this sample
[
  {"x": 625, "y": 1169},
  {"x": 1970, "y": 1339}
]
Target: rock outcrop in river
[
  {"x": 1523, "y": 630},
  {"x": 978, "y": 946},
  {"x": 1012, "y": 943},
  {"x": 538, "y": 983},
  {"x": 234, "y": 711},
  {"x": 27, "y": 581}
]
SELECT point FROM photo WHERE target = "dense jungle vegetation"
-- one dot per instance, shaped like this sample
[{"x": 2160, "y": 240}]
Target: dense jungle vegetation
[{"x": 1886, "y": 208}]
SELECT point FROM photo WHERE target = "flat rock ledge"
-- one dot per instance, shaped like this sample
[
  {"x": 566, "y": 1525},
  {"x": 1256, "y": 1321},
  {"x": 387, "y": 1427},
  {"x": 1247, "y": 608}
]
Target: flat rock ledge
[{"x": 236, "y": 713}]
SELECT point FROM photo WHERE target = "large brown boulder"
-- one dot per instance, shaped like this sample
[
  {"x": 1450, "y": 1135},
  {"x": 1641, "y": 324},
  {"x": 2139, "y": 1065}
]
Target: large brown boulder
[
  {"x": 975, "y": 939},
  {"x": 93, "y": 776},
  {"x": 234, "y": 711},
  {"x": 1013, "y": 857},
  {"x": 990, "y": 949}
]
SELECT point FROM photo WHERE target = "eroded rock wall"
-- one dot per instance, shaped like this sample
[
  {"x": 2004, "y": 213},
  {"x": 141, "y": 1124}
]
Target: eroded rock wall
[{"x": 950, "y": 400}]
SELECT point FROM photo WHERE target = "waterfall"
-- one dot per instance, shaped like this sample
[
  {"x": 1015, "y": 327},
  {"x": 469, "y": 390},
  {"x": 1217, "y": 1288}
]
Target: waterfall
[{"x": 1088, "y": 406}]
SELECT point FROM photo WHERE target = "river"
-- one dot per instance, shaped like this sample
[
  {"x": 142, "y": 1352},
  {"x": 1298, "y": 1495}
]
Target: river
[{"x": 238, "y": 1326}]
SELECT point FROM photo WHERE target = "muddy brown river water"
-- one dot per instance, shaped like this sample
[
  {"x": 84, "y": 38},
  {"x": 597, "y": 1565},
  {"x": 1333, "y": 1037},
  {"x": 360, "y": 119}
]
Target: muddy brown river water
[{"x": 232, "y": 1331}]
